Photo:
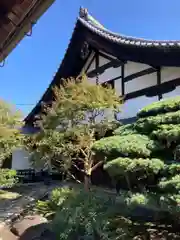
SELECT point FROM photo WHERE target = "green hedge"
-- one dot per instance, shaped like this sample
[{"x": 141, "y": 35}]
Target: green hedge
[
  {"x": 125, "y": 130},
  {"x": 168, "y": 132},
  {"x": 8, "y": 178},
  {"x": 122, "y": 166},
  {"x": 172, "y": 169},
  {"x": 151, "y": 123},
  {"x": 171, "y": 185},
  {"x": 163, "y": 106},
  {"x": 135, "y": 145}
]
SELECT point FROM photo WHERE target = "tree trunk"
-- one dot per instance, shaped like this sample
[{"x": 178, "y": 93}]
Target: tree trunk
[{"x": 87, "y": 182}]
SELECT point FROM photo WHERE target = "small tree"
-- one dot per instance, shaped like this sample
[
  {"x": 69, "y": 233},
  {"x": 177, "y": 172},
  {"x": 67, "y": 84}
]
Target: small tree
[
  {"x": 10, "y": 135},
  {"x": 81, "y": 113}
]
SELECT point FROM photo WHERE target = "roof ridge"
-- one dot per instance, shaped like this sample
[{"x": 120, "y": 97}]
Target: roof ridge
[{"x": 97, "y": 27}]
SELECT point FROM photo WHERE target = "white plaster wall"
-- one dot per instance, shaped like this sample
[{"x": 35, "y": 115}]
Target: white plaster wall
[
  {"x": 141, "y": 82},
  {"x": 20, "y": 160},
  {"x": 169, "y": 73},
  {"x": 108, "y": 74},
  {"x": 131, "y": 107},
  {"x": 133, "y": 67},
  {"x": 103, "y": 61}
]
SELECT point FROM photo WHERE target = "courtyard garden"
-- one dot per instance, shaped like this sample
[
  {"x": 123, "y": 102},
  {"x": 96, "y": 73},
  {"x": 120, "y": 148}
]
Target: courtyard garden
[{"x": 81, "y": 137}]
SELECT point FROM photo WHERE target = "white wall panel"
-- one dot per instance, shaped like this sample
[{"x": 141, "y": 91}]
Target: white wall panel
[
  {"x": 131, "y": 107},
  {"x": 92, "y": 66},
  {"x": 132, "y": 67},
  {"x": 103, "y": 61},
  {"x": 109, "y": 74},
  {"x": 20, "y": 159},
  {"x": 169, "y": 73},
  {"x": 141, "y": 82}
]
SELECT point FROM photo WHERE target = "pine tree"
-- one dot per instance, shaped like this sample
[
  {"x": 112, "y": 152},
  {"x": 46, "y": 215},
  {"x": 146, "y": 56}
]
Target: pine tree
[{"x": 80, "y": 113}]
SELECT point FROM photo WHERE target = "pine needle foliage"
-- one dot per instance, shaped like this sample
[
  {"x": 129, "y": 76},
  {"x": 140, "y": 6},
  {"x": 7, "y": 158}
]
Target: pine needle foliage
[{"x": 160, "y": 107}]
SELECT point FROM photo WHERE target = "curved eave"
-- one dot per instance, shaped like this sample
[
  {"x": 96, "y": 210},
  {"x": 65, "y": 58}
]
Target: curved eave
[
  {"x": 154, "y": 53},
  {"x": 92, "y": 24}
]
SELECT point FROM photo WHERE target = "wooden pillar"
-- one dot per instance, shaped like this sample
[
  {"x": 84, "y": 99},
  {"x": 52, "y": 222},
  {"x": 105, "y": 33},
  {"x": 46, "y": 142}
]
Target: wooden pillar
[
  {"x": 122, "y": 80},
  {"x": 96, "y": 66},
  {"x": 159, "y": 82}
]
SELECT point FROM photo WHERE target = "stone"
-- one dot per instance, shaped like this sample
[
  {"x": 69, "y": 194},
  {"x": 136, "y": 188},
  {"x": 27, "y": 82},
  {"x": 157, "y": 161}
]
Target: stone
[
  {"x": 30, "y": 224},
  {"x": 6, "y": 234}
]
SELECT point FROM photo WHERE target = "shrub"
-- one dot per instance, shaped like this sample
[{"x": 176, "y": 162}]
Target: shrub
[
  {"x": 168, "y": 132},
  {"x": 172, "y": 169},
  {"x": 8, "y": 178},
  {"x": 171, "y": 185},
  {"x": 130, "y": 145},
  {"x": 122, "y": 166},
  {"x": 83, "y": 215},
  {"x": 125, "y": 130},
  {"x": 149, "y": 124},
  {"x": 163, "y": 106},
  {"x": 49, "y": 207}
]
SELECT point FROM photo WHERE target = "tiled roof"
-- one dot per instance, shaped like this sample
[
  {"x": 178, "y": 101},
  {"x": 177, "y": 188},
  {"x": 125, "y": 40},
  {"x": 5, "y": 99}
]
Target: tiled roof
[{"x": 88, "y": 21}]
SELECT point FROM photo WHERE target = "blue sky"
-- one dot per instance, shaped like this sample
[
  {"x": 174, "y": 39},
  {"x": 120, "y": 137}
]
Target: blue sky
[{"x": 31, "y": 66}]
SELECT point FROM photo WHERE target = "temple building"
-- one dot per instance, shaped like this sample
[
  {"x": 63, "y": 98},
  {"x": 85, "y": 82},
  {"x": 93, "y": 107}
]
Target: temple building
[{"x": 141, "y": 70}]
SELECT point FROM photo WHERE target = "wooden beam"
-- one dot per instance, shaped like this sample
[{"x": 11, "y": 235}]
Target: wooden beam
[
  {"x": 128, "y": 78},
  {"x": 97, "y": 66},
  {"x": 159, "y": 82},
  {"x": 139, "y": 74},
  {"x": 100, "y": 69},
  {"x": 93, "y": 58},
  {"x": 106, "y": 56},
  {"x": 122, "y": 80},
  {"x": 154, "y": 90}
]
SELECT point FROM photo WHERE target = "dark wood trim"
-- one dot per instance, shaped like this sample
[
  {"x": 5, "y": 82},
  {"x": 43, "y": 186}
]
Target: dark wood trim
[
  {"x": 96, "y": 67},
  {"x": 139, "y": 74},
  {"x": 159, "y": 82},
  {"x": 99, "y": 70},
  {"x": 154, "y": 90},
  {"x": 122, "y": 80},
  {"x": 93, "y": 58},
  {"x": 106, "y": 56}
]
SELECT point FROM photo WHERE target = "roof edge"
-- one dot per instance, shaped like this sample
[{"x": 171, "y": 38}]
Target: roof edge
[{"x": 98, "y": 28}]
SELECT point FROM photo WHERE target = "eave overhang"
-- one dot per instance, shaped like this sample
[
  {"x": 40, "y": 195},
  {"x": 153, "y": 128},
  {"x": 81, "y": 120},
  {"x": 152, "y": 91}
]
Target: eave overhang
[
  {"x": 16, "y": 21},
  {"x": 88, "y": 30}
]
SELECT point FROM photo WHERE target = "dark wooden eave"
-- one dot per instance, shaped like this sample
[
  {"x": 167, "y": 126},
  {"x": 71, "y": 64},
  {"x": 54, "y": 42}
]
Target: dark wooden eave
[
  {"x": 17, "y": 18},
  {"x": 88, "y": 30}
]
